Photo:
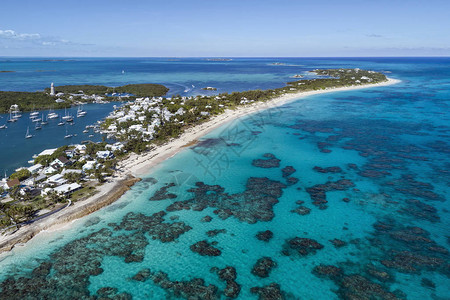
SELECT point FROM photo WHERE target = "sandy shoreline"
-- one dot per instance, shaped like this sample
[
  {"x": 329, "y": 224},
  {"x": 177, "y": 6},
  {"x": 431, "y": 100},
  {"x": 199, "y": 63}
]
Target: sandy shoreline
[{"x": 139, "y": 165}]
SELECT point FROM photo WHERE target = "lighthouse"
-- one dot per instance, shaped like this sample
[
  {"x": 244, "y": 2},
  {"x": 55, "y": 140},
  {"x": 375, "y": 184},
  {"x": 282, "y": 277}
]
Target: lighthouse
[{"x": 52, "y": 90}]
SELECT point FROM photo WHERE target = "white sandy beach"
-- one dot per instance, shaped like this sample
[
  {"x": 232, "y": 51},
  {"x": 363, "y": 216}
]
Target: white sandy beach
[{"x": 139, "y": 165}]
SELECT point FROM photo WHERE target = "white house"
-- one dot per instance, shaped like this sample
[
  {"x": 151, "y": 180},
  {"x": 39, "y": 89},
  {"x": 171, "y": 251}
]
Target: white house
[
  {"x": 66, "y": 189},
  {"x": 35, "y": 168},
  {"x": 89, "y": 165},
  {"x": 104, "y": 154}
]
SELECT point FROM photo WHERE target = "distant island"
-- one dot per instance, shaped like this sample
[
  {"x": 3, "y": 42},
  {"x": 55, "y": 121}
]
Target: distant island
[
  {"x": 209, "y": 88},
  {"x": 297, "y": 76},
  {"x": 218, "y": 59},
  {"x": 278, "y": 64},
  {"x": 7, "y": 71}
]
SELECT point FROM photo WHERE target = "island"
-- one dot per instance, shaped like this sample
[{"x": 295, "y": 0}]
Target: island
[
  {"x": 6, "y": 71},
  {"x": 67, "y": 95},
  {"x": 71, "y": 181},
  {"x": 218, "y": 59},
  {"x": 209, "y": 88}
]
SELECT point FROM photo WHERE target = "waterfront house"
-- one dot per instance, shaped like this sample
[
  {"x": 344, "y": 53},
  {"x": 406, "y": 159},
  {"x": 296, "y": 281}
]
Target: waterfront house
[
  {"x": 60, "y": 161},
  {"x": 67, "y": 189},
  {"x": 56, "y": 180},
  {"x": 35, "y": 168}
]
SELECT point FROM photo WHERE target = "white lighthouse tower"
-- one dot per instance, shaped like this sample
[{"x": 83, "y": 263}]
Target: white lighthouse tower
[{"x": 52, "y": 90}]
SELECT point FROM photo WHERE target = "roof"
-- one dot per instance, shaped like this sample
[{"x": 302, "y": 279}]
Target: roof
[
  {"x": 47, "y": 152},
  {"x": 66, "y": 188},
  {"x": 13, "y": 182},
  {"x": 63, "y": 159}
]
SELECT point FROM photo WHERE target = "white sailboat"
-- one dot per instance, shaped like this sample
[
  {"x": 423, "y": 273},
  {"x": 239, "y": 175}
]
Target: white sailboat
[
  {"x": 28, "y": 135},
  {"x": 44, "y": 122},
  {"x": 68, "y": 136},
  {"x": 11, "y": 118},
  {"x": 61, "y": 122},
  {"x": 3, "y": 126},
  {"x": 80, "y": 112}
]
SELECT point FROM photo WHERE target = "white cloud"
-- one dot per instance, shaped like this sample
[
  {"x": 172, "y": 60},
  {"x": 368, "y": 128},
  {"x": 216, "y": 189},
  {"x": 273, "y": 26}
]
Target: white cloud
[{"x": 11, "y": 34}]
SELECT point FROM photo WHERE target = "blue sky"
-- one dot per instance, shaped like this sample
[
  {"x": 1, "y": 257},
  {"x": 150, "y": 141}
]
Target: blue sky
[{"x": 225, "y": 28}]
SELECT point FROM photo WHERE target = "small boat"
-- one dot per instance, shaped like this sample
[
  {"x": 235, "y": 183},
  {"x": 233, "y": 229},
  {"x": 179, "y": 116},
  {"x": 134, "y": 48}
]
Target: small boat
[
  {"x": 37, "y": 127},
  {"x": 52, "y": 115},
  {"x": 69, "y": 119},
  {"x": 11, "y": 118},
  {"x": 44, "y": 122},
  {"x": 68, "y": 136},
  {"x": 36, "y": 120},
  {"x": 91, "y": 135},
  {"x": 34, "y": 114},
  {"x": 85, "y": 131},
  {"x": 81, "y": 112},
  {"x": 61, "y": 123},
  {"x": 3, "y": 126},
  {"x": 28, "y": 135}
]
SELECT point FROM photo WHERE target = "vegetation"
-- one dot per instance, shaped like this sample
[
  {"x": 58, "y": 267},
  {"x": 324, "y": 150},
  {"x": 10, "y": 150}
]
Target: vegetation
[
  {"x": 21, "y": 174},
  {"x": 29, "y": 101}
]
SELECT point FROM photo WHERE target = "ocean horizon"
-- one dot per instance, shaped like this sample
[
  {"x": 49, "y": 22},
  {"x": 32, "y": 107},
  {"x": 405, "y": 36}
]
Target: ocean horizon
[{"x": 331, "y": 196}]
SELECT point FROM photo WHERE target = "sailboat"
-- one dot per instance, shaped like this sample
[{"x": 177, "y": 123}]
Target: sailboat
[
  {"x": 34, "y": 113},
  {"x": 3, "y": 126},
  {"x": 44, "y": 122},
  {"x": 61, "y": 122},
  {"x": 11, "y": 119},
  {"x": 37, "y": 127},
  {"x": 52, "y": 115},
  {"x": 68, "y": 136},
  {"x": 80, "y": 112},
  {"x": 28, "y": 135},
  {"x": 67, "y": 117}
]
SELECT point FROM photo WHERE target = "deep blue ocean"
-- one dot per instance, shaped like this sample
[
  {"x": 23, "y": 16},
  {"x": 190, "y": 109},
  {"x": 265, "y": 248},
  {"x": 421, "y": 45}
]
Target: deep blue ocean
[{"x": 335, "y": 196}]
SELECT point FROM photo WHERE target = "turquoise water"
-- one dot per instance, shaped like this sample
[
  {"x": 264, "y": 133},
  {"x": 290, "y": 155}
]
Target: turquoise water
[{"x": 386, "y": 205}]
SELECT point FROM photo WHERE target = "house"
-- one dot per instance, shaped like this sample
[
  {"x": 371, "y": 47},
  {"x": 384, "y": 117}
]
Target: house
[
  {"x": 67, "y": 189},
  {"x": 60, "y": 161},
  {"x": 89, "y": 165},
  {"x": 104, "y": 154},
  {"x": 35, "y": 168},
  {"x": 51, "y": 169},
  {"x": 68, "y": 171},
  {"x": 56, "y": 180},
  {"x": 81, "y": 149},
  {"x": 48, "y": 152}
]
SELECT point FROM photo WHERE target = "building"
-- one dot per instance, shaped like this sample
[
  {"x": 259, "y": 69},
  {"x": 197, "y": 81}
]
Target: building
[
  {"x": 67, "y": 189},
  {"x": 52, "y": 90}
]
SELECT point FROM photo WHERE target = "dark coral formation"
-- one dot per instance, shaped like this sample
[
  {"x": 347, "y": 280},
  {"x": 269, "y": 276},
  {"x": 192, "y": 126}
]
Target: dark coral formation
[
  {"x": 205, "y": 249},
  {"x": 254, "y": 204},
  {"x": 153, "y": 225},
  {"x": 378, "y": 273},
  {"x": 288, "y": 171},
  {"x": 420, "y": 210},
  {"x": 301, "y": 246},
  {"x": 67, "y": 276},
  {"x": 192, "y": 289},
  {"x": 229, "y": 275},
  {"x": 328, "y": 169},
  {"x": 338, "y": 243},
  {"x": 409, "y": 249},
  {"x": 162, "y": 193},
  {"x": 264, "y": 235},
  {"x": 263, "y": 267},
  {"x": 206, "y": 219},
  {"x": 214, "y": 232},
  {"x": 318, "y": 191},
  {"x": 291, "y": 180},
  {"x": 142, "y": 275},
  {"x": 407, "y": 185},
  {"x": 301, "y": 210},
  {"x": 270, "y": 162},
  {"x": 353, "y": 286},
  {"x": 268, "y": 292}
]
